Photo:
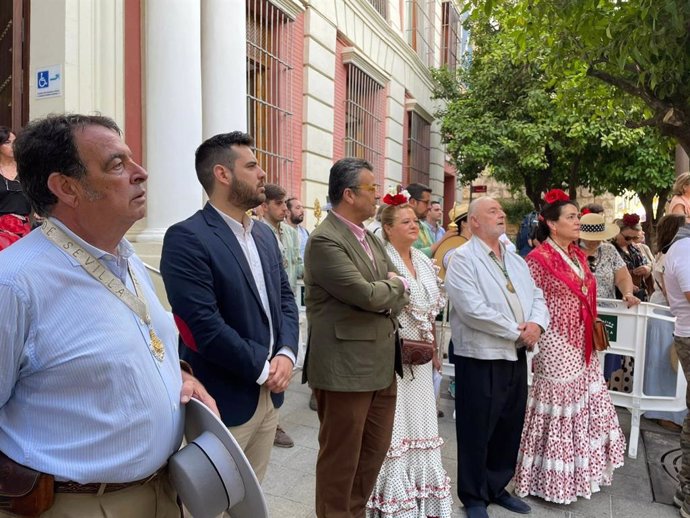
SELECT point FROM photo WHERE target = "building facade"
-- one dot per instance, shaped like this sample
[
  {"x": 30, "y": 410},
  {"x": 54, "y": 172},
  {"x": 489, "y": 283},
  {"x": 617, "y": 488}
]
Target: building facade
[{"x": 312, "y": 80}]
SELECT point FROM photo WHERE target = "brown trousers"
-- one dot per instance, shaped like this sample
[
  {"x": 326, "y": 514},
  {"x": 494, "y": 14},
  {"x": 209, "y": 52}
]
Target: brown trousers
[
  {"x": 155, "y": 499},
  {"x": 354, "y": 437}
]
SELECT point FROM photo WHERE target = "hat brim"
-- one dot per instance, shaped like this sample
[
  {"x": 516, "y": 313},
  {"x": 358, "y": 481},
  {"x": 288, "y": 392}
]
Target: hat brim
[
  {"x": 610, "y": 230},
  {"x": 449, "y": 244},
  {"x": 200, "y": 420}
]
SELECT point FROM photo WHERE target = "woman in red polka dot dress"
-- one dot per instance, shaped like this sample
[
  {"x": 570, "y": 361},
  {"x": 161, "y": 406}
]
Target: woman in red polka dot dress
[{"x": 571, "y": 441}]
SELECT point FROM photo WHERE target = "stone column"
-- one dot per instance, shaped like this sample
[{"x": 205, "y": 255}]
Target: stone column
[
  {"x": 172, "y": 100},
  {"x": 223, "y": 66}
]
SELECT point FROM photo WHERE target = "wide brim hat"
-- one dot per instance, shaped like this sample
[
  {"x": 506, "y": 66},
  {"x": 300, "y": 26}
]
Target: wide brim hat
[
  {"x": 593, "y": 227},
  {"x": 458, "y": 211},
  {"x": 211, "y": 473},
  {"x": 443, "y": 253}
]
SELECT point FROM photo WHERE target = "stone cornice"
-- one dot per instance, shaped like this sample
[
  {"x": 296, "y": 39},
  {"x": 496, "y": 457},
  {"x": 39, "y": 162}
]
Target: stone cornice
[
  {"x": 354, "y": 56},
  {"x": 293, "y": 8},
  {"x": 413, "y": 105}
]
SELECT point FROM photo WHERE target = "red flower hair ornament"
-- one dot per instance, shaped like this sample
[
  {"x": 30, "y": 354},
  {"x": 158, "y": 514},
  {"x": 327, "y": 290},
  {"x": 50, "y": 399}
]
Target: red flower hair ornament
[
  {"x": 631, "y": 220},
  {"x": 555, "y": 195},
  {"x": 585, "y": 211},
  {"x": 400, "y": 198}
]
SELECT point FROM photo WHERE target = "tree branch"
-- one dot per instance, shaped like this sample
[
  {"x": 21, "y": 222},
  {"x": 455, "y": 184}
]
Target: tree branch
[
  {"x": 654, "y": 121},
  {"x": 629, "y": 88}
]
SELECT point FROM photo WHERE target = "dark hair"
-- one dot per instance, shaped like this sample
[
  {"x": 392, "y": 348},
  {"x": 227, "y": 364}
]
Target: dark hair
[
  {"x": 435, "y": 202},
  {"x": 47, "y": 146},
  {"x": 666, "y": 230},
  {"x": 623, "y": 226},
  {"x": 594, "y": 208},
  {"x": 388, "y": 213},
  {"x": 289, "y": 201},
  {"x": 460, "y": 219},
  {"x": 218, "y": 150},
  {"x": 274, "y": 192},
  {"x": 4, "y": 134},
  {"x": 416, "y": 190},
  {"x": 345, "y": 175},
  {"x": 550, "y": 212}
]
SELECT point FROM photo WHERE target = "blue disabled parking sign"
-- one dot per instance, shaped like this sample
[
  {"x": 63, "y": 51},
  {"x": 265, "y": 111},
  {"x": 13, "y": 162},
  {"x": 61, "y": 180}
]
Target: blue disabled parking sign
[{"x": 49, "y": 81}]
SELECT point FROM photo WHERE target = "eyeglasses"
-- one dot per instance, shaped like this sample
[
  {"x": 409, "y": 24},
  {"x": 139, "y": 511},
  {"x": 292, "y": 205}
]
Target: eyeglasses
[
  {"x": 371, "y": 187},
  {"x": 629, "y": 238}
]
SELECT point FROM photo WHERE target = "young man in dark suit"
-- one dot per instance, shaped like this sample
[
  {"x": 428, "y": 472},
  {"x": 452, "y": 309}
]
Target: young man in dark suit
[{"x": 230, "y": 295}]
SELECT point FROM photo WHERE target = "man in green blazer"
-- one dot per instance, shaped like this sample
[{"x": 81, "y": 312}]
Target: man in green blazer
[{"x": 353, "y": 295}]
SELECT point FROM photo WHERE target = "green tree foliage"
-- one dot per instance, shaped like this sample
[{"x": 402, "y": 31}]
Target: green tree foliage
[
  {"x": 530, "y": 130},
  {"x": 640, "y": 47}
]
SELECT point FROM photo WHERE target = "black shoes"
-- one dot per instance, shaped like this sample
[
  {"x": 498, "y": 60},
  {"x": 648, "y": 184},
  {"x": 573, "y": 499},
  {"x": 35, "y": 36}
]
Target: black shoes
[{"x": 512, "y": 503}]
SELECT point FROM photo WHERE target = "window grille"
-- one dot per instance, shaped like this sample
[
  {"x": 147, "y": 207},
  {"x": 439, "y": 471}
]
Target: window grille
[
  {"x": 420, "y": 29},
  {"x": 418, "y": 148},
  {"x": 270, "y": 68},
  {"x": 381, "y": 6},
  {"x": 451, "y": 35},
  {"x": 363, "y": 114}
]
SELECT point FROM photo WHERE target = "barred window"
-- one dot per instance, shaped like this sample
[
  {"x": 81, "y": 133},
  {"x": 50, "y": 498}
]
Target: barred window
[
  {"x": 270, "y": 88},
  {"x": 381, "y": 6},
  {"x": 451, "y": 35},
  {"x": 363, "y": 114},
  {"x": 418, "y": 148},
  {"x": 420, "y": 29}
]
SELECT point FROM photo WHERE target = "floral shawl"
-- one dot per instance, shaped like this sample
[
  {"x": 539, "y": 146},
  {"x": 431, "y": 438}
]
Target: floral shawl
[{"x": 551, "y": 261}]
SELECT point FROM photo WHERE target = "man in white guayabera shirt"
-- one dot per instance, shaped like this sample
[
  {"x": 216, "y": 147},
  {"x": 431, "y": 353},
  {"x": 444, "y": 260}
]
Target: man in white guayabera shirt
[
  {"x": 91, "y": 388},
  {"x": 677, "y": 281}
]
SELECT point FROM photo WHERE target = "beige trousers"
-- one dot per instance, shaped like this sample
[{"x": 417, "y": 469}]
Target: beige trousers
[
  {"x": 256, "y": 436},
  {"x": 155, "y": 499}
]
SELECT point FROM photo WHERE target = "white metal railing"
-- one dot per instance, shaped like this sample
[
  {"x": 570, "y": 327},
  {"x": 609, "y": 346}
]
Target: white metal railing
[{"x": 629, "y": 334}]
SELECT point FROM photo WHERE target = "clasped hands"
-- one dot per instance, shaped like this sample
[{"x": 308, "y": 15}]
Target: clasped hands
[
  {"x": 529, "y": 334},
  {"x": 279, "y": 374}
]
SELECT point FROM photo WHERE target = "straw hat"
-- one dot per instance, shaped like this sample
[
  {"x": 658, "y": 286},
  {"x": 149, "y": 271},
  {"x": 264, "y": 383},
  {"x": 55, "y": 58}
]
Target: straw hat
[
  {"x": 593, "y": 227},
  {"x": 211, "y": 473}
]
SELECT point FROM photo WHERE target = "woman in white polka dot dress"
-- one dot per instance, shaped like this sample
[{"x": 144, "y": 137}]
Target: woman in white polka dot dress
[
  {"x": 412, "y": 482},
  {"x": 571, "y": 441}
]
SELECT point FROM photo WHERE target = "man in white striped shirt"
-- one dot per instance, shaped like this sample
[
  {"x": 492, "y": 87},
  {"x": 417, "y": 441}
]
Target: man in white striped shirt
[{"x": 91, "y": 385}]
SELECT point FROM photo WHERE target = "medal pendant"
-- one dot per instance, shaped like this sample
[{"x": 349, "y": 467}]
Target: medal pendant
[
  {"x": 510, "y": 287},
  {"x": 157, "y": 346},
  {"x": 584, "y": 289}
]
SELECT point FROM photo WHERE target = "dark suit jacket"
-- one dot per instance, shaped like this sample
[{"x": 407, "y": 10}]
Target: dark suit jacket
[
  {"x": 224, "y": 331},
  {"x": 351, "y": 310}
]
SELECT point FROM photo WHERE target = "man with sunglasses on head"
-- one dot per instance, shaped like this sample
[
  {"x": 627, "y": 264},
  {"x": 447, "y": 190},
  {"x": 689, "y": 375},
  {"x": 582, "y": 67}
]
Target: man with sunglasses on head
[{"x": 353, "y": 295}]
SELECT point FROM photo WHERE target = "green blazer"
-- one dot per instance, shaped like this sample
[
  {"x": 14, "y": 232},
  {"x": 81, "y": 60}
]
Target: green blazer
[{"x": 351, "y": 310}]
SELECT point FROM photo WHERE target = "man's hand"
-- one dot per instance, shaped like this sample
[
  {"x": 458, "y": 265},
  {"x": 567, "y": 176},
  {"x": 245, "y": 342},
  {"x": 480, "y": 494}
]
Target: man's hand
[
  {"x": 192, "y": 388},
  {"x": 529, "y": 334},
  {"x": 279, "y": 374}
]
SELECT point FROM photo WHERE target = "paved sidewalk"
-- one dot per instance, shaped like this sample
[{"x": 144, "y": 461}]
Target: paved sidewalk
[{"x": 289, "y": 483}]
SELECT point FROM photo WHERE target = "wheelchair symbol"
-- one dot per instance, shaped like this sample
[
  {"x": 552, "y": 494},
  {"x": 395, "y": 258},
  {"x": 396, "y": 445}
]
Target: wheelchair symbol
[{"x": 43, "y": 81}]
